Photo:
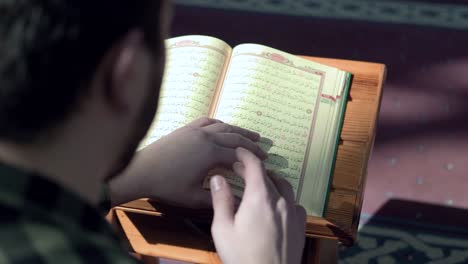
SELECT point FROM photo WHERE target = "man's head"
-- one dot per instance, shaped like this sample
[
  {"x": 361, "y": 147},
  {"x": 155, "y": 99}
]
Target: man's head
[{"x": 82, "y": 67}]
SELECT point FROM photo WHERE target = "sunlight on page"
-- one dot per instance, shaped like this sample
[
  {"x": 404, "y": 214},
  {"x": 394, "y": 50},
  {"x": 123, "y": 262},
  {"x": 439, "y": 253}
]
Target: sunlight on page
[{"x": 194, "y": 67}]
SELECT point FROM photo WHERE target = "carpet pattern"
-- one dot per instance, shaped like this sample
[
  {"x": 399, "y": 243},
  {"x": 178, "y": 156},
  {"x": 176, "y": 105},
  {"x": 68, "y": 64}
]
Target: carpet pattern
[
  {"x": 394, "y": 234},
  {"x": 452, "y": 15},
  {"x": 381, "y": 244}
]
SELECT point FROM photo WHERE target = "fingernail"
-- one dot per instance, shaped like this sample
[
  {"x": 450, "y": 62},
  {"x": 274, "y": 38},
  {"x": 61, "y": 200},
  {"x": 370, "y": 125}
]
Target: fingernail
[
  {"x": 238, "y": 167},
  {"x": 216, "y": 183}
]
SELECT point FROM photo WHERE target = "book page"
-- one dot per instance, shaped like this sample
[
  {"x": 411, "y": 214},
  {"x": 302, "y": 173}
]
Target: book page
[
  {"x": 194, "y": 66},
  {"x": 277, "y": 95}
]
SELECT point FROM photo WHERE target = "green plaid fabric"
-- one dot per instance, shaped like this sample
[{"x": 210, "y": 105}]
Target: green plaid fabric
[{"x": 40, "y": 222}]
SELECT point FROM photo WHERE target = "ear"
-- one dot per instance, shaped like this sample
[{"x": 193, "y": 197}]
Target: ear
[{"x": 121, "y": 70}]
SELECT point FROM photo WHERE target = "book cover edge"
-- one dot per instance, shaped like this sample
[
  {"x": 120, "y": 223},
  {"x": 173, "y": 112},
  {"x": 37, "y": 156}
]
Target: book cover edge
[{"x": 349, "y": 77}]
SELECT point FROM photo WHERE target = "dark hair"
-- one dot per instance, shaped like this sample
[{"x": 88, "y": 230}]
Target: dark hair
[{"x": 49, "y": 50}]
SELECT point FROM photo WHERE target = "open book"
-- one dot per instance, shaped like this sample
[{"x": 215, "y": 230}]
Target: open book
[{"x": 295, "y": 104}]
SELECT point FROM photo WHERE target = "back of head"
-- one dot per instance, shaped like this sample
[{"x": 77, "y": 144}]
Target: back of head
[{"x": 49, "y": 50}]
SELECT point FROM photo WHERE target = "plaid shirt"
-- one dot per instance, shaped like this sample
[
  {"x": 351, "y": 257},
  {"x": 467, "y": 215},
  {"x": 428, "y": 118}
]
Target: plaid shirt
[{"x": 40, "y": 222}]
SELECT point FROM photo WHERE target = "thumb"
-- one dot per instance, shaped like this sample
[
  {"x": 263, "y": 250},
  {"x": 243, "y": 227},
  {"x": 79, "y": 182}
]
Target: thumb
[{"x": 223, "y": 201}]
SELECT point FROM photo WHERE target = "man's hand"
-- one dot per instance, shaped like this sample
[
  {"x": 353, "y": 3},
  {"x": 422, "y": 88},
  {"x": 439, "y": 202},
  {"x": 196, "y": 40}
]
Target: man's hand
[
  {"x": 173, "y": 168},
  {"x": 268, "y": 227}
]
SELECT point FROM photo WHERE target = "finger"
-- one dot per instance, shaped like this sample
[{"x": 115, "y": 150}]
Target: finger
[
  {"x": 284, "y": 188},
  {"x": 224, "y": 157},
  {"x": 301, "y": 217},
  {"x": 226, "y": 128},
  {"x": 253, "y": 173},
  {"x": 238, "y": 168},
  {"x": 223, "y": 201},
  {"x": 233, "y": 140},
  {"x": 204, "y": 121}
]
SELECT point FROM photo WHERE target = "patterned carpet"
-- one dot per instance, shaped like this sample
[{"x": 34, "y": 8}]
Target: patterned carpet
[
  {"x": 416, "y": 195},
  {"x": 451, "y": 14},
  {"x": 404, "y": 231}
]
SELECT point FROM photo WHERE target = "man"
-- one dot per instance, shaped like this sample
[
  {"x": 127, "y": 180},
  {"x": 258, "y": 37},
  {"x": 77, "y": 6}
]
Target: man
[{"x": 79, "y": 82}]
